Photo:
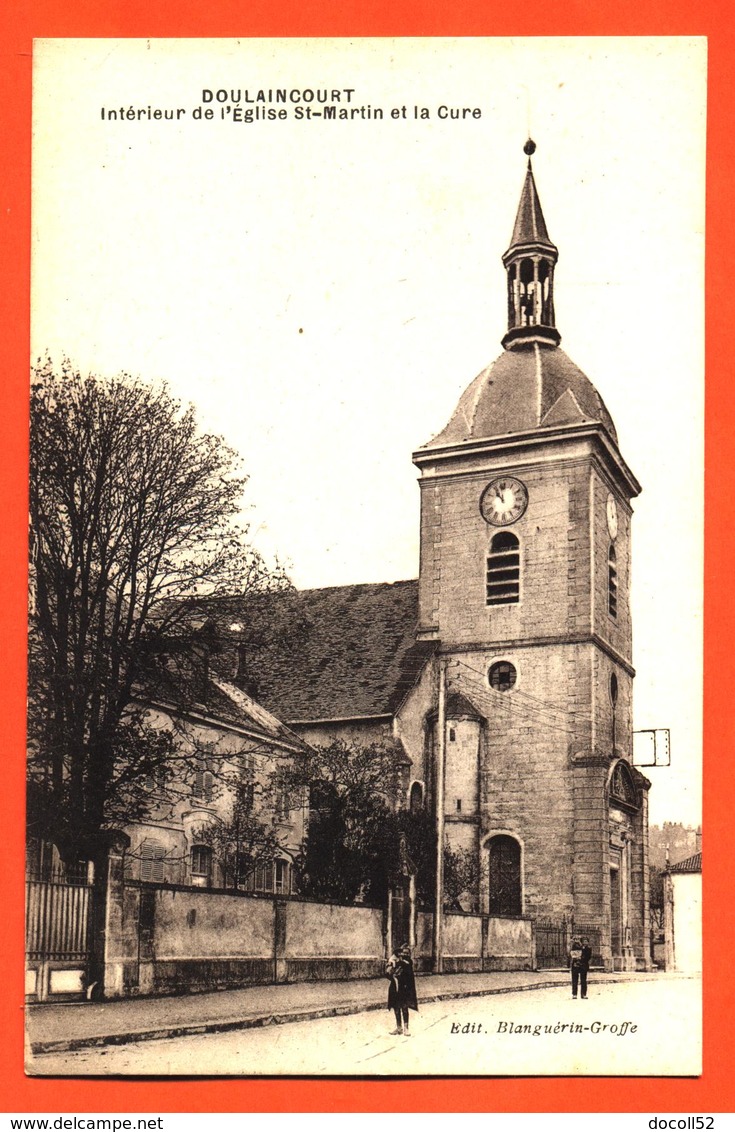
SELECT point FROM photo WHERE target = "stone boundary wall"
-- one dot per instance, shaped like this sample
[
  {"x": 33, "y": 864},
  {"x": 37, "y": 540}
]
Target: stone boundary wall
[
  {"x": 474, "y": 943},
  {"x": 176, "y": 939}
]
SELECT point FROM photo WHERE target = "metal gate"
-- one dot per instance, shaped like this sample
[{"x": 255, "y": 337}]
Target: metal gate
[
  {"x": 553, "y": 939},
  {"x": 58, "y": 926},
  {"x": 551, "y": 943}
]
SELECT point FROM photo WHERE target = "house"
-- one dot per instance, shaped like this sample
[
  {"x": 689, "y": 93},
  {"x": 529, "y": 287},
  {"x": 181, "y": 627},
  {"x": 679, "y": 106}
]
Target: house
[
  {"x": 683, "y": 915},
  {"x": 230, "y": 750},
  {"x": 223, "y": 821}
]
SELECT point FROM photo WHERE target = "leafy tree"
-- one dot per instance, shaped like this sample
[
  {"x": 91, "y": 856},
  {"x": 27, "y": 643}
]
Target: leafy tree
[
  {"x": 351, "y": 837},
  {"x": 461, "y": 879},
  {"x": 135, "y": 539},
  {"x": 461, "y": 866},
  {"x": 656, "y": 899},
  {"x": 418, "y": 827},
  {"x": 356, "y": 840}
]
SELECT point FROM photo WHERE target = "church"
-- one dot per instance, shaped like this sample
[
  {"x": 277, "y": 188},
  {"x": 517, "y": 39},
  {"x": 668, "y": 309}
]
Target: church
[{"x": 504, "y": 673}]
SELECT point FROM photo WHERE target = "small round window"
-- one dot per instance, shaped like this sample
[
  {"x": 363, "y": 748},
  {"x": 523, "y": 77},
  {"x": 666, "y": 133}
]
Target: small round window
[{"x": 502, "y": 676}]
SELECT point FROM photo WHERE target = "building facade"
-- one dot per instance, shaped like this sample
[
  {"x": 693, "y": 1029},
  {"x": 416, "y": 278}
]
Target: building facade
[{"x": 524, "y": 584}]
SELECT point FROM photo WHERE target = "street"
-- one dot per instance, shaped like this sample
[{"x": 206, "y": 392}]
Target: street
[{"x": 644, "y": 1028}]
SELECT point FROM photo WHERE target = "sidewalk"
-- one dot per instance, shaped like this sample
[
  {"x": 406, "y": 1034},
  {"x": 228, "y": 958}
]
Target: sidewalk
[{"x": 70, "y": 1026}]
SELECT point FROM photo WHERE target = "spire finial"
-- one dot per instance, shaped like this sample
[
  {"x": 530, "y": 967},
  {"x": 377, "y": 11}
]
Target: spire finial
[{"x": 529, "y": 149}]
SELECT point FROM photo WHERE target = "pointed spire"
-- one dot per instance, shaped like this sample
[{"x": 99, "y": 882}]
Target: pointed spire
[
  {"x": 530, "y": 226},
  {"x": 529, "y": 262}
]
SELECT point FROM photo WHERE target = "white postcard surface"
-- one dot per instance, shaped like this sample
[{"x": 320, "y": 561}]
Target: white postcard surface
[{"x": 303, "y": 239}]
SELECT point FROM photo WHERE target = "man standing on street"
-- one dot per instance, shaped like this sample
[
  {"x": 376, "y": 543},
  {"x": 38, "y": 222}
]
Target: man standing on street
[{"x": 580, "y": 954}]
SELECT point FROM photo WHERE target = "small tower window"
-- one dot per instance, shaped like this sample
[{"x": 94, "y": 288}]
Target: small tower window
[
  {"x": 416, "y": 798},
  {"x": 612, "y": 582},
  {"x": 503, "y": 570}
]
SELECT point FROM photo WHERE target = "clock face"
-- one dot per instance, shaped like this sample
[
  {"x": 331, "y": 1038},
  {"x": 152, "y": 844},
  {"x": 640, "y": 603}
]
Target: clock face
[
  {"x": 503, "y": 501},
  {"x": 612, "y": 516}
]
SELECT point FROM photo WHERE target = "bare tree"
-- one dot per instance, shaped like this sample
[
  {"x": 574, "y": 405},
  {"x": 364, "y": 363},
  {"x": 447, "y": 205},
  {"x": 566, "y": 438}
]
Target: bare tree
[
  {"x": 241, "y": 842},
  {"x": 135, "y": 537}
]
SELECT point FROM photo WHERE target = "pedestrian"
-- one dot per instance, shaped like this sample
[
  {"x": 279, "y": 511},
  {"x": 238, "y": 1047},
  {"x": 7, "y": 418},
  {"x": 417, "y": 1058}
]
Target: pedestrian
[
  {"x": 580, "y": 954},
  {"x": 402, "y": 988},
  {"x": 584, "y": 969}
]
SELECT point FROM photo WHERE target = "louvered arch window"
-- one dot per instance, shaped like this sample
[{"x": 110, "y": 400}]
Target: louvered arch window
[
  {"x": 503, "y": 580},
  {"x": 612, "y": 582}
]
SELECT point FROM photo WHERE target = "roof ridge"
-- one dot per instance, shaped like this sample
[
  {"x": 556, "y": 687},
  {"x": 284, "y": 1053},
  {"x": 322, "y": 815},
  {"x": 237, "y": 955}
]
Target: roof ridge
[{"x": 353, "y": 585}]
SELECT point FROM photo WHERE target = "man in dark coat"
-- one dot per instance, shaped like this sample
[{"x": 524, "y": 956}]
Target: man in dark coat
[
  {"x": 585, "y": 966},
  {"x": 402, "y": 988},
  {"x": 580, "y": 955}
]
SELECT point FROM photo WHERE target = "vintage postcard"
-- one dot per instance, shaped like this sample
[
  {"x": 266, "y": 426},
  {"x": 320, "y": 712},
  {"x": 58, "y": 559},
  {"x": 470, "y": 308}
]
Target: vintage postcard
[{"x": 365, "y": 611}]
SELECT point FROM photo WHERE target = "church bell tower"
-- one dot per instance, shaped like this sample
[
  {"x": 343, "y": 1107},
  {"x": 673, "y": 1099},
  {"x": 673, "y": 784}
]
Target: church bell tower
[{"x": 524, "y": 588}]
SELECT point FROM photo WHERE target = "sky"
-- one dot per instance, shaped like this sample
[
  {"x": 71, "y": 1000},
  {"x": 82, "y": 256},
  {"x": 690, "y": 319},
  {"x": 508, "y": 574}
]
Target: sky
[{"x": 324, "y": 290}]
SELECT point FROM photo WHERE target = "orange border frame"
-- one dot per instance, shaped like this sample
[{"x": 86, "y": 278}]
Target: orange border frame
[{"x": 715, "y": 1090}]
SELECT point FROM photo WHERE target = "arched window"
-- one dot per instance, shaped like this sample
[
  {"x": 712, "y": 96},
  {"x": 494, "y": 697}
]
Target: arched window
[
  {"x": 527, "y": 294},
  {"x": 282, "y": 878},
  {"x": 512, "y": 274},
  {"x": 612, "y": 582},
  {"x": 416, "y": 798},
  {"x": 201, "y": 865},
  {"x": 505, "y": 894},
  {"x": 503, "y": 570}
]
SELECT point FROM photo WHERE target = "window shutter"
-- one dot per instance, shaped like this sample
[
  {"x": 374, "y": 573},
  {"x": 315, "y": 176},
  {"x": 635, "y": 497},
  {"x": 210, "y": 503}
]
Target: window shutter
[{"x": 151, "y": 860}]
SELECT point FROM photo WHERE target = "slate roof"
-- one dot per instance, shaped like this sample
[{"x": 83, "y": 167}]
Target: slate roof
[
  {"x": 691, "y": 864},
  {"x": 222, "y": 702},
  {"x": 523, "y": 390},
  {"x": 530, "y": 226},
  {"x": 354, "y": 653}
]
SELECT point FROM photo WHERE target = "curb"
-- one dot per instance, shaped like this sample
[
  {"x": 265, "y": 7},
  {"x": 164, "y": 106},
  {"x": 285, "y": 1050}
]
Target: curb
[{"x": 279, "y": 1019}]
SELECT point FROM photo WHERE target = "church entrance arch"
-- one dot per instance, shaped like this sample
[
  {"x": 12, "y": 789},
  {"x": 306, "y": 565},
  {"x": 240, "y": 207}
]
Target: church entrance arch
[{"x": 624, "y": 803}]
